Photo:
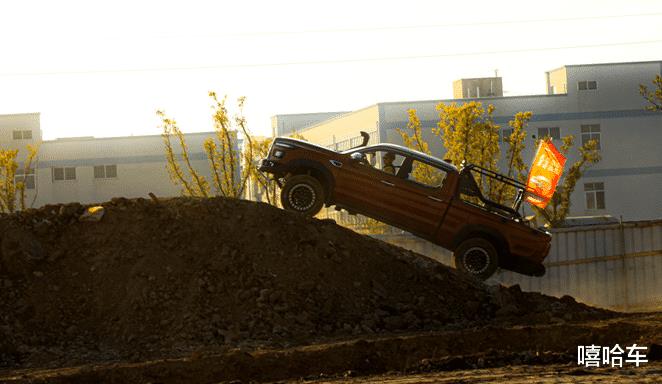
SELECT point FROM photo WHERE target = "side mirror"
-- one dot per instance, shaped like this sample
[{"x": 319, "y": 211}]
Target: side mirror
[{"x": 358, "y": 156}]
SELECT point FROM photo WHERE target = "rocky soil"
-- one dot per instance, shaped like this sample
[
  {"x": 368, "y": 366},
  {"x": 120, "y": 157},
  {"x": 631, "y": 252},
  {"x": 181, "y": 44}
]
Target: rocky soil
[{"x": 174, "y": 277}]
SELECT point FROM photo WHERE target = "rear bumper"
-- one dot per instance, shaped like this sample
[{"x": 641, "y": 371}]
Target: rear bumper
[
  {"x": 546, "y": 251},
  {"x": 525, "y": 266},
  {"x": 531, "y": 264}
]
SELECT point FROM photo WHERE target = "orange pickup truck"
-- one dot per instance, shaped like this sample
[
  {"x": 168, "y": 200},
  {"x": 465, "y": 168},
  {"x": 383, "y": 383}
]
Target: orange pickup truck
[{"x": 418, "y": 193}]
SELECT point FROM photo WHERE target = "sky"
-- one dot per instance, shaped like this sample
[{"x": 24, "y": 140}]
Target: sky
[{"x": 103, "y": 68}]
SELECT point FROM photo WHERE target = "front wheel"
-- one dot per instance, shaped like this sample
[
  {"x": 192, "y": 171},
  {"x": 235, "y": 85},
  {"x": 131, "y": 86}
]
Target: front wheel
[
  {"x": 476, "y": 257},
  {"x": 303, "y": 194}
]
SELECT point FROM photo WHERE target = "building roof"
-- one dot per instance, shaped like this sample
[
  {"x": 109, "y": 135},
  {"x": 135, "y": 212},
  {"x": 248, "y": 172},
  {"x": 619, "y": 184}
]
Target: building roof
[
  {"x": 91, "y": 138},
  {"x": 19, "y": 114},
  {"x": 470, "y": 99},
  {"x": 309, "y": 113},
  {"x": 606, "y": 64},
  {"x": 336, "y": 117}
]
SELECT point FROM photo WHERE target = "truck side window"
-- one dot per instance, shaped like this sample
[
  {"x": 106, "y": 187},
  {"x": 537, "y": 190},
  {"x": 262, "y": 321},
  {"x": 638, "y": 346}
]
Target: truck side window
[
  {"x": 382, "y": 159},
  {"x": 422, "y": 173}
]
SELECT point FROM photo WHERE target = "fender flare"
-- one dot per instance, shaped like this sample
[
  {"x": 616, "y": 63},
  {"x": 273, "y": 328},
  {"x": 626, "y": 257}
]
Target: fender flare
[
  {"x": 300, "y": 166},
  {"x": 478, "y": 230}
]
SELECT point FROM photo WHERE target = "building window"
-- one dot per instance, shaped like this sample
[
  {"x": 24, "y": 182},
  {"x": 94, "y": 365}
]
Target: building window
[
  {"x": 22, "y": 135},
  {"x": 595, "y": 195},
  {"x": 99, "y": 172},
  {"x": 70, "y": 173},
  {"x": 25, "y": 177},
  {"x": 552, "y": 132},
  {"x": 505, "y": 134},
  {"x": 591, "y": 132},
  {"x": 105, "y": 171},
  {"x": 64, "y": 173},
  {"x": 587, "y": 85}
]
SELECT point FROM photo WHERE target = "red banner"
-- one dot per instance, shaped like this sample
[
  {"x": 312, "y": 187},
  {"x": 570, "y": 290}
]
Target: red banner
[{"x": 545, "y": 173}]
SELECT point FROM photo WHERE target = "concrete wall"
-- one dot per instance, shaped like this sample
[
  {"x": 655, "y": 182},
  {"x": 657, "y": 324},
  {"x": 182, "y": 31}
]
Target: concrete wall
[
  {"x": 557, "y": 81},
  {"x": 617, "y": 88},
  {"x": 479, "y": 87},
  {"x": 19, "y": 122},
  {"x": 344, "y": 127},
  {"x": 612, "y": 266},
  {"x": 140, "y": 161},
  {"x": 284, "y": 125}
]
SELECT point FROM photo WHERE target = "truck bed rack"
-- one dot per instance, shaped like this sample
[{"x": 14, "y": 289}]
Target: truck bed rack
[{"x": 518, "y": 185}]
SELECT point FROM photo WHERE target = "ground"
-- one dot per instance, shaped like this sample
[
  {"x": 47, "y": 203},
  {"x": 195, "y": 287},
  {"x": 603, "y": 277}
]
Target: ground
[{"x": 220, "y": 290}]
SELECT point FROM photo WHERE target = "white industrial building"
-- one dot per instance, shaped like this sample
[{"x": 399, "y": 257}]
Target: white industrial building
[
  {"x": 593, "y": 101},
  {"x": 88, "y": 169},
  {"x": 588, "y": 101},
  {"x": 285, "y": 125}
]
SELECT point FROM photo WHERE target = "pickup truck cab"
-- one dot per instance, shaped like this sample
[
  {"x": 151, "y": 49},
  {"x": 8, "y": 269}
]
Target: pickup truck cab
[{"x": 418, "y": 193}]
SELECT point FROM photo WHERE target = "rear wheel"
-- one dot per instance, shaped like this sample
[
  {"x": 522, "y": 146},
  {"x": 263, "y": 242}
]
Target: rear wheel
[
  {"x": 303, "y": 194},
  {"x": 476, "y": 257}
]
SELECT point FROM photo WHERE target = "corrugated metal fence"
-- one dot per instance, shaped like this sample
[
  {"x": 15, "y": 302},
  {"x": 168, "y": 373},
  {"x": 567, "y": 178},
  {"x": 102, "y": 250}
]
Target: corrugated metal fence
[{"x": 617, "y": 266}]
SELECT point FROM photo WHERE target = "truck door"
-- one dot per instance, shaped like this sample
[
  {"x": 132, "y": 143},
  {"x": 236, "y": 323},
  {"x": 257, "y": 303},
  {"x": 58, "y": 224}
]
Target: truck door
[
  {"x": 424, "y": 196},
  {"x": 364, "y": 185}
]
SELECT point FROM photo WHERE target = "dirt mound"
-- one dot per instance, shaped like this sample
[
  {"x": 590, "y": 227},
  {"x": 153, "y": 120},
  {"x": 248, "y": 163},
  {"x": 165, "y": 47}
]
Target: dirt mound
[{"x": 179, "y": 276}]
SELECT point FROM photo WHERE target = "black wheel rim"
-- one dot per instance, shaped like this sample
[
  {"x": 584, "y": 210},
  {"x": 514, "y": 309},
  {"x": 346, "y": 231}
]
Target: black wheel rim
[
  {"x": 476, "y": 260},
  {"x": 301, "y": 197}
]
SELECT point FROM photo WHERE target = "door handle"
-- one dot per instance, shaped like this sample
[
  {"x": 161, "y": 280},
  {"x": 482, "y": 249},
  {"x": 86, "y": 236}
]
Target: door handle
[
  {"x": 335, "y": 163},
  {"x": 435, "y": 199},
  {"x": 387, "y": 183}
]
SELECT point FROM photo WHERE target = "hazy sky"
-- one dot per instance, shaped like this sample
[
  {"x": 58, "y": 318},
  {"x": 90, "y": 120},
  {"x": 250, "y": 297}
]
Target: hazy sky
[{"x": 104, "y": 68}]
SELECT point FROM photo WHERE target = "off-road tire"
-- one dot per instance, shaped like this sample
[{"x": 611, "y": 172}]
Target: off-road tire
[
  {"x": 476, "y": 257},
  {"x": 303, "y": 194}
]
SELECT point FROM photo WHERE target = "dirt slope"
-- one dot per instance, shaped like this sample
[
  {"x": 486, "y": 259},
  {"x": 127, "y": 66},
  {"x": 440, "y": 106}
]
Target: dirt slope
[{"x": 180, "y": 276}]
